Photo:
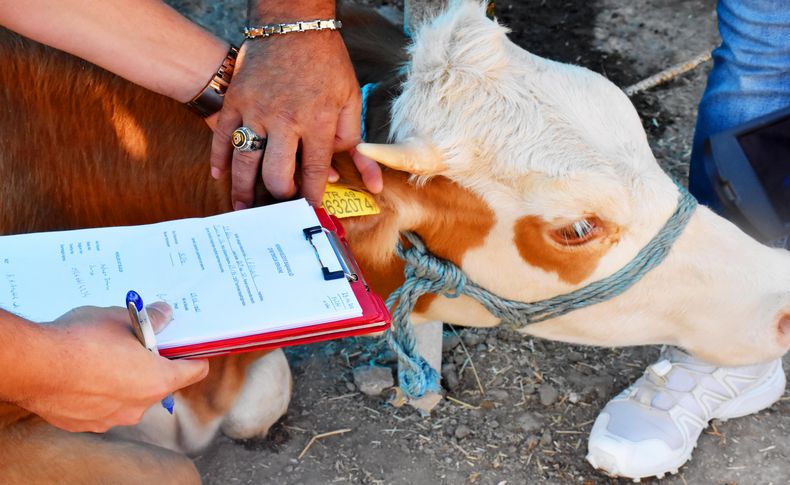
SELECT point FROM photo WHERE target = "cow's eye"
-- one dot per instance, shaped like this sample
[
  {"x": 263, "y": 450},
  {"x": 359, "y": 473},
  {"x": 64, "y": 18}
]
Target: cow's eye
[{"x": 579, "y": 232}]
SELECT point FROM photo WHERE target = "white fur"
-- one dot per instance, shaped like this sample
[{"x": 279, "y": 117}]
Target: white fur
[
  {"x": 263, "y": 399},
  {"x": 181, "y": 432},
  {"x": 535, "y": 137}
]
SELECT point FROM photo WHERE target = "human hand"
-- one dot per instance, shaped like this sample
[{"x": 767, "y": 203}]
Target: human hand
[
  {"x": 292, "y": 89},
  {"x": 104, "y": 376}
]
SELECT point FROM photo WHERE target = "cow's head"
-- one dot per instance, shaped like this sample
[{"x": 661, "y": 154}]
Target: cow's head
[{"x": 558, "y": 158}]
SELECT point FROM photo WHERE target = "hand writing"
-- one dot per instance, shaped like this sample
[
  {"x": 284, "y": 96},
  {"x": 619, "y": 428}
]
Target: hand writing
[{"x": 106, "y": 377}]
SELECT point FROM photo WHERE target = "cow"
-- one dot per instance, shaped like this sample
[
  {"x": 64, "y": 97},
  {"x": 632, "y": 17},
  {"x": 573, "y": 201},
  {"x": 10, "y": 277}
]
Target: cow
[{"x": 532, "y": 176}]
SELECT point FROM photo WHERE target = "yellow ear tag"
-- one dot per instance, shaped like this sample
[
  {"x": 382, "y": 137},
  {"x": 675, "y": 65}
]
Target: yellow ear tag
[{"x": 342, "y": 201}]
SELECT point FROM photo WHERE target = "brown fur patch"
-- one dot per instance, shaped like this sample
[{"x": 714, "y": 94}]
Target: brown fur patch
[
  {"x": 449, "y": 218},
  {"x": 71, "y": 158},
  {"x": 213, "y": 397},
  {"x": 573, "y": 264}
]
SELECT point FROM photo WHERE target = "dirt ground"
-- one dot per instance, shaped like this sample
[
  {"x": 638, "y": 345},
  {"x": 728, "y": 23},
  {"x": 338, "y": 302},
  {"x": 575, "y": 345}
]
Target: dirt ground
[{"x": 540, "y": 398}]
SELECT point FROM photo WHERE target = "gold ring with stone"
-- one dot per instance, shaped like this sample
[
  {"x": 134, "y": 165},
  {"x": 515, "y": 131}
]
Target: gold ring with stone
[{"x": 246, "y": 140}]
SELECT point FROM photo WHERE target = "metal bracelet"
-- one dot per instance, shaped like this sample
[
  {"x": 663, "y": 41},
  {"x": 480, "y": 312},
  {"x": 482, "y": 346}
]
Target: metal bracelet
[
  {"x": 272, "y": 29},
  {"x": 210, "y": 99}
]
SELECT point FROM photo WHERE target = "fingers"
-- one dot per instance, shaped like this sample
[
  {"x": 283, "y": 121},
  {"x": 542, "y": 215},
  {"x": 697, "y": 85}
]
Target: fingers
[
  {"x": 245, "y": 173},
  {"x": 300, "y": 104},
  {"x": 221, "y": 148},
  {"x": 161, "y": 314},
  {"x": 348, "y": 125},
  {"x": 78, "y": 425},
  {"x": 279, "y": 163},
  {"x": 370, "y": 171},
  {"x": 184, "y": 373},
  {"x": 316, "y": 159},
  {"x": 333, "y": 175}
]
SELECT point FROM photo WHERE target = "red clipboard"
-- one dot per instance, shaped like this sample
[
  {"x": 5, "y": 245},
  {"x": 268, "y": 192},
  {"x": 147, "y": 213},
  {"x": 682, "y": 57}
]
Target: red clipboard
[{"x": 374, "y": 318}]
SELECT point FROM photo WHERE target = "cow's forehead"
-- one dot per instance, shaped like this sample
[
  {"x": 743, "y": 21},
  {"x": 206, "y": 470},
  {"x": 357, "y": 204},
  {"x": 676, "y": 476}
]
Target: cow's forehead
[{"x": 494, "y": 108}]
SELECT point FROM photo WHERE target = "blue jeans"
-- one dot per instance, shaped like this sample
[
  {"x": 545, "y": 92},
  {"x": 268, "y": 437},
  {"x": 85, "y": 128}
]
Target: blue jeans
[{"x": 750, "y": 78}]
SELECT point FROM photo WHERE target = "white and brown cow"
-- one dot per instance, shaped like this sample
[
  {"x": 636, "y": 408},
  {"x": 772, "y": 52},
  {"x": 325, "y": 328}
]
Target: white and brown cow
[{"x": 535, "y": 177}]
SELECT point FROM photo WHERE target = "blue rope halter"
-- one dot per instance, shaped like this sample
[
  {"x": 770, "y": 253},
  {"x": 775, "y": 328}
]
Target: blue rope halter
[
  {"x": 365, "y": 91},
  {"x": 426, "y": 273}
]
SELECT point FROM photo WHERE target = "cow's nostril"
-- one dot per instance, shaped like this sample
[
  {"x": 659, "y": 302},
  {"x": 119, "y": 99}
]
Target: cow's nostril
[{"x": 784, "y": 330}]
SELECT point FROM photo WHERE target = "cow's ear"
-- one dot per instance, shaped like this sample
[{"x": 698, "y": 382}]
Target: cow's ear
[{"x": 412, "y": 156}]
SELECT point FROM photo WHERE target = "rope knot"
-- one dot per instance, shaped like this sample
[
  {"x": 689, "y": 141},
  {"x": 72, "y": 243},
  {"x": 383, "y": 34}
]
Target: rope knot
[
  {"x": 453, "y": 281},
  {"x": 439, "y": 275}
]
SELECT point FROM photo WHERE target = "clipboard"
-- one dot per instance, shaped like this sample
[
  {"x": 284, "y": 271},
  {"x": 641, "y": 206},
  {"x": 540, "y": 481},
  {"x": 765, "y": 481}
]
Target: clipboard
[{"x": 374, "y": 318}]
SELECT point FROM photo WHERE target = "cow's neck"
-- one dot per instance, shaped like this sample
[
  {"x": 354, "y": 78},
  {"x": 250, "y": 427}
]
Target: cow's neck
[{"x": 449, "y": 218}]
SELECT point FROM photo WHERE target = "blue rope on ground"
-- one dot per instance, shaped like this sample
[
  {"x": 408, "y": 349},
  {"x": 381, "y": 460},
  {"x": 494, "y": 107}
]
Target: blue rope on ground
[{"x": 426, "y": 273}]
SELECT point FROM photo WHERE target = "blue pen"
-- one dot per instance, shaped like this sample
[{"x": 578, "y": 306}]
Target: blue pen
[{"x": 144, "y": 331}]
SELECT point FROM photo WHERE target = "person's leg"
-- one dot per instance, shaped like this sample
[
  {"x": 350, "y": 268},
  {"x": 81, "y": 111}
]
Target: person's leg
[
  {"x": 32, "y": 451},
  {"x": 750, "y": 78},
  {"x": 652, "y": 427}
]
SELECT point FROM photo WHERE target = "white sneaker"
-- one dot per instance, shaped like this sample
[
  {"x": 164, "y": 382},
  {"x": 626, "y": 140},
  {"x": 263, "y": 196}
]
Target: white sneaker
[{"x": 652, "y": 427}]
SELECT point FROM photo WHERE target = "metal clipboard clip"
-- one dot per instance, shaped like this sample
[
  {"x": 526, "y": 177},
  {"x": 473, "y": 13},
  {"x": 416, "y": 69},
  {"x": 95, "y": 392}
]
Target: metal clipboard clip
[{"x": 345, "y": 267}]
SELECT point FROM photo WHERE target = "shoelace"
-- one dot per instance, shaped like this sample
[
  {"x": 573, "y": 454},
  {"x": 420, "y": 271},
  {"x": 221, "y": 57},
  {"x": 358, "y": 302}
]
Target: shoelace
[
  {"x": 656, "y": 381},
  {"x": 653, "y": 383}
]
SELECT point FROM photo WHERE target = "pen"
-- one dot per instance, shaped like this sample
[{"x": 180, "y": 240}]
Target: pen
[{"x": 144, "y": 331}]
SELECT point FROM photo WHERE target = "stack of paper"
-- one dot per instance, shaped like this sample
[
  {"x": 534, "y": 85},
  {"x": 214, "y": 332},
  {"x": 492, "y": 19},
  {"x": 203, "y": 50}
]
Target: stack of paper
[{"x": 226, "y": 276}]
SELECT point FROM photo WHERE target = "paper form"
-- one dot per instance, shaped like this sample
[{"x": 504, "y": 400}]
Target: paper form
[{"x": 226, "y": 276}]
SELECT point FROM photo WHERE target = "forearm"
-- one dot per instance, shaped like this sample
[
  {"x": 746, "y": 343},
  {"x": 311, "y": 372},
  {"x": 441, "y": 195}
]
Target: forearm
[
  {"x": 28, "y": 358},
  {"x": 144, "y": 41}
]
